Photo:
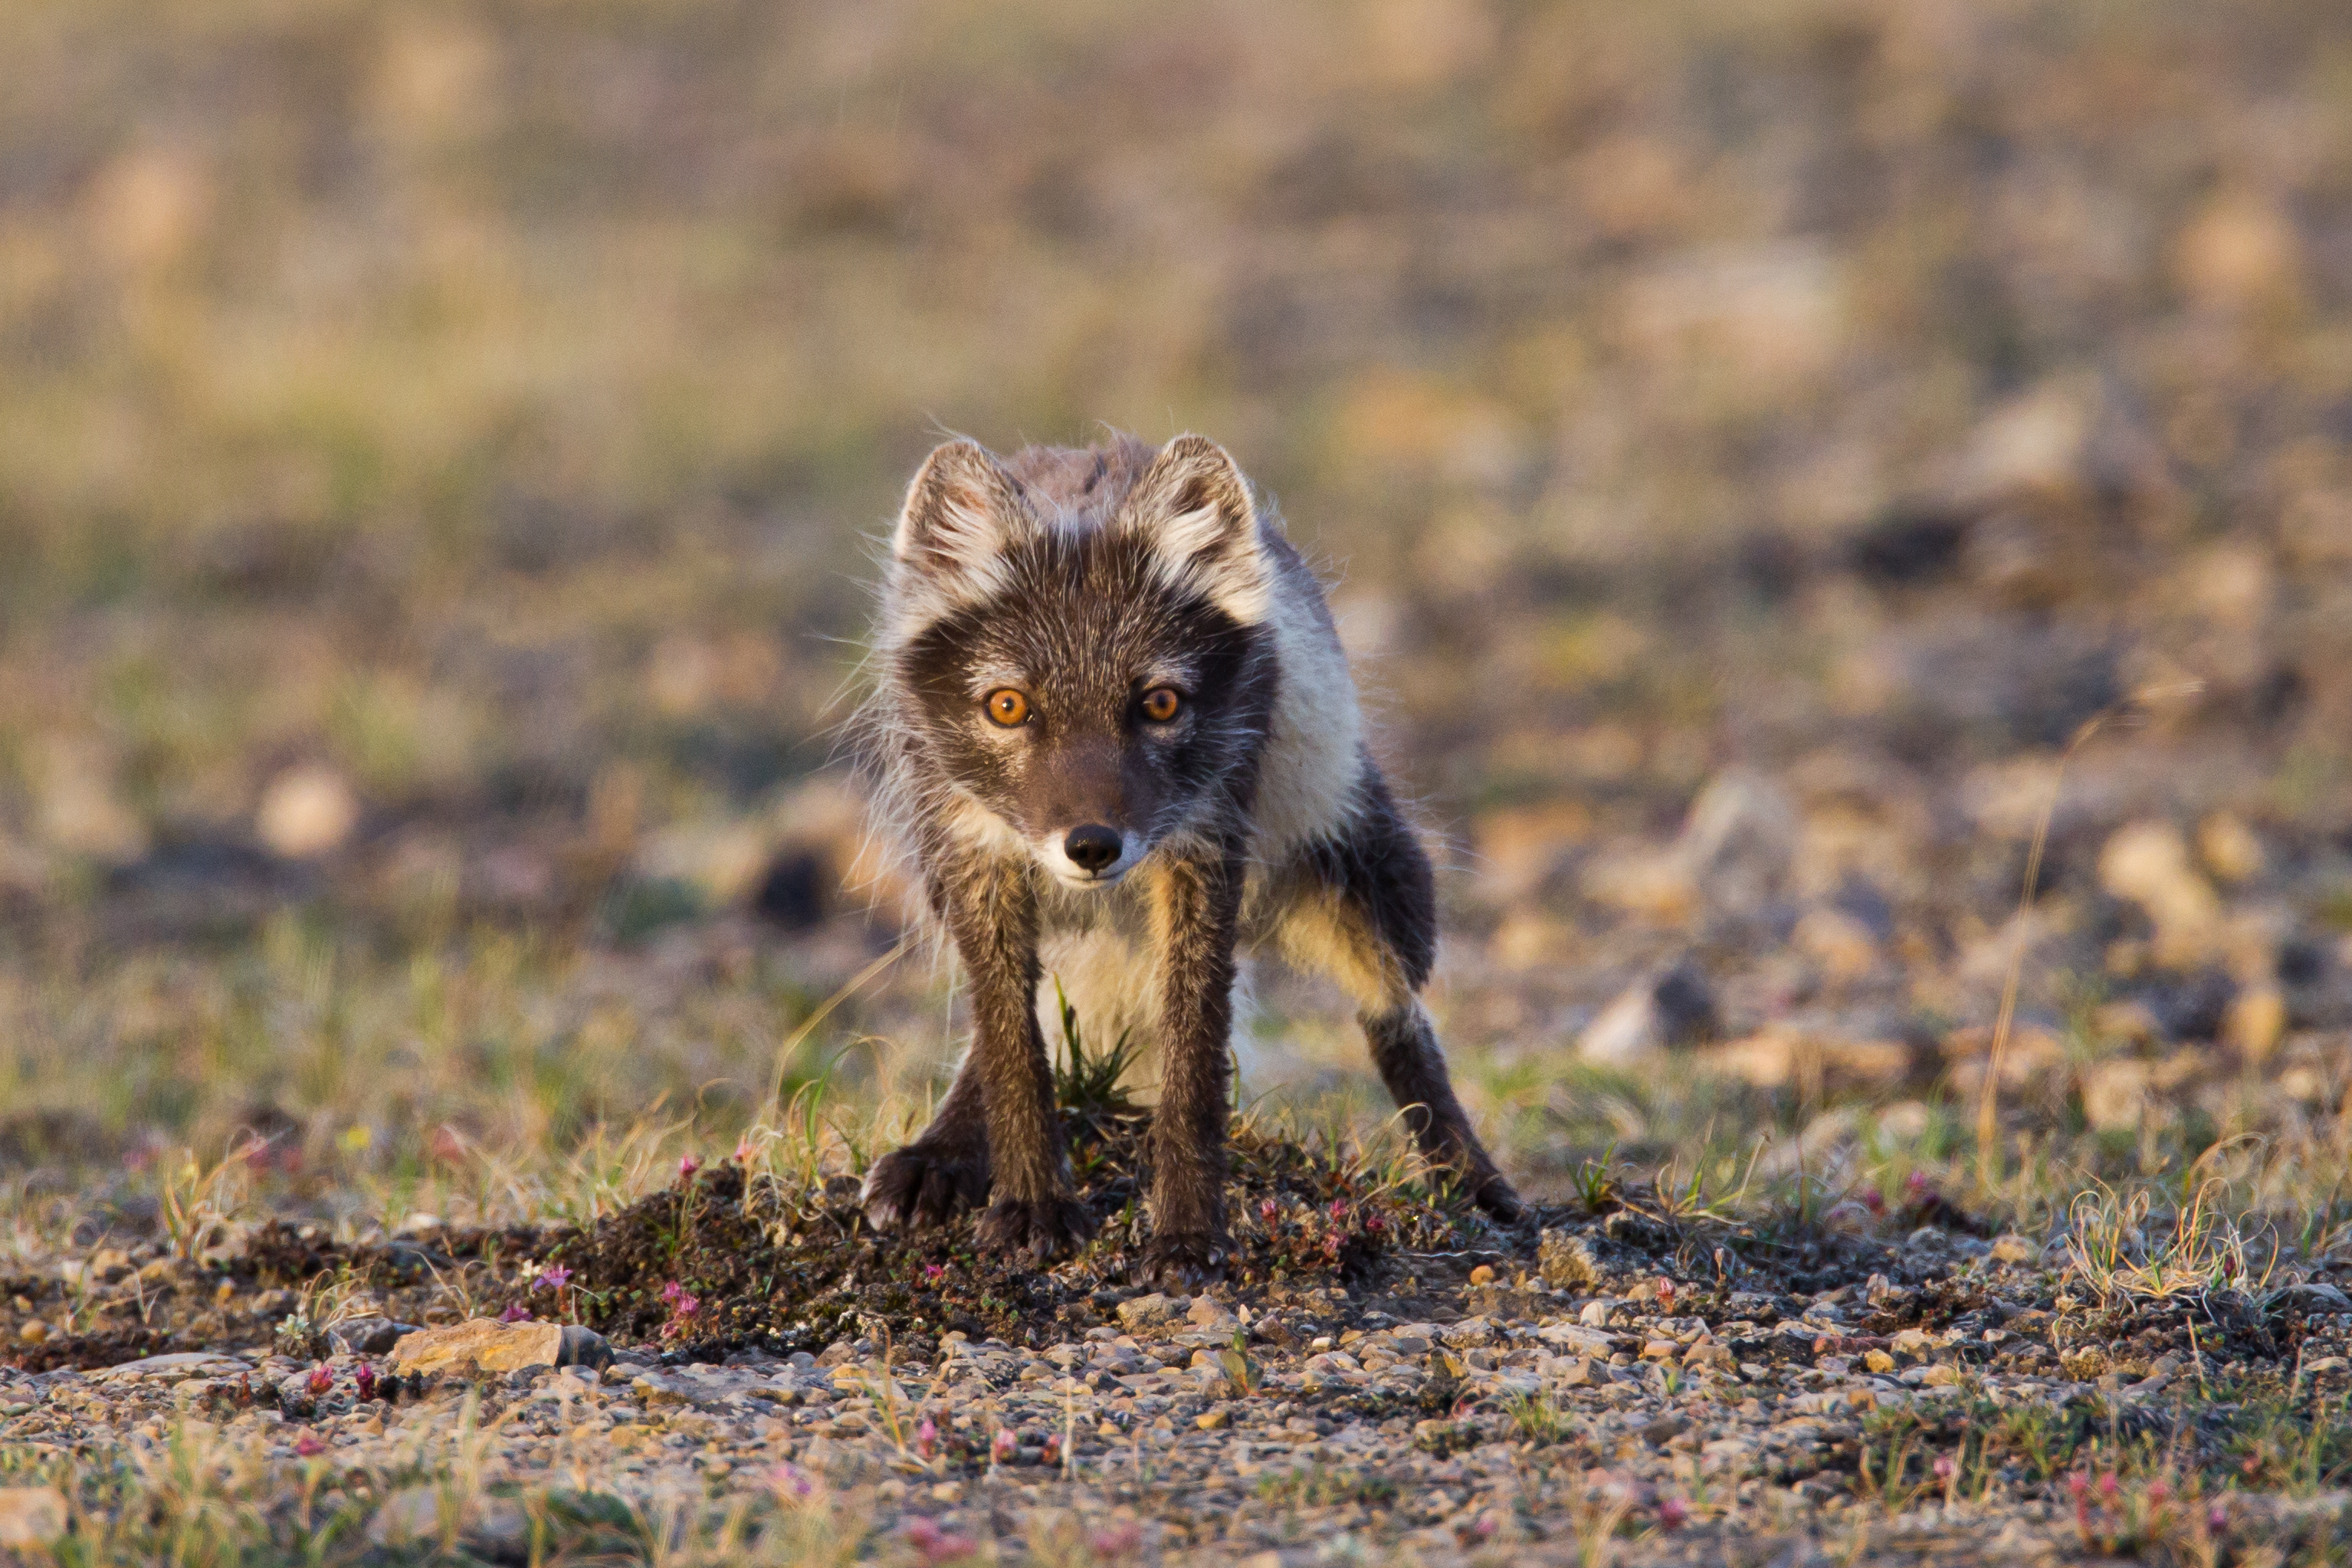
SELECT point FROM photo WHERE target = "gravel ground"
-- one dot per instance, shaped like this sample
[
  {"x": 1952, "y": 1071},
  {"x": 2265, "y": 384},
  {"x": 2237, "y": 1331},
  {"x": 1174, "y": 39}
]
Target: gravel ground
[{"x": 1580, "y": 1397}]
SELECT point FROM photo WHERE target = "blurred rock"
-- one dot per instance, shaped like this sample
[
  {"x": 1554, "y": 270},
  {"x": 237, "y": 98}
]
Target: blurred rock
[
  {"x": 31, "y": 1518},
  {"x": 1519, "y": 849},
  {"x": 307, "y": 811},
  {"x": 2114, "y": 1094},
  {"x": 1844, "y": 946},
  {"x": 1776, "y": 311},
  {"x": 1740, "y": 841},
  {"x": 2254, "y": 1022},
  {"x": 1910, "y": 545},
  {"x": 1672, "y": 1009},
  {"x": 368, "y": 1336},
  {"x": 2239, "y": 252},
  {"x": 2035, "y": 443},
  {"x": 2229, "y": 849},
  {"x": 2192, "y": 1006},
  {"x": 80, "y": 812},
  {"x": 2147, "y": 862},
  {"x": 2032, "y": 1050},
  {"x": 1781, "y": 1058}
]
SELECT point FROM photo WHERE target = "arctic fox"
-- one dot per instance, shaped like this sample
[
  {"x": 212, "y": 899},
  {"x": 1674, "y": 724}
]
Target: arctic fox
[{"x": 1112, "y": 722}]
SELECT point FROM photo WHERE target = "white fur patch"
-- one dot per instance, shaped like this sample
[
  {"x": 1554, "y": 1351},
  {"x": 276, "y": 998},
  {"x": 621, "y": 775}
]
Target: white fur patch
[{"x": 1314, "y": 748}]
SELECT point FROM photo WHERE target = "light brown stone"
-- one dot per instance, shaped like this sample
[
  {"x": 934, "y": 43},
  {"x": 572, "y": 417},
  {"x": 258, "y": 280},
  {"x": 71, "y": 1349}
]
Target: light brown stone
[
  {"x": 31, "y": 1515},
  {"x": 494, "y": 1346}
]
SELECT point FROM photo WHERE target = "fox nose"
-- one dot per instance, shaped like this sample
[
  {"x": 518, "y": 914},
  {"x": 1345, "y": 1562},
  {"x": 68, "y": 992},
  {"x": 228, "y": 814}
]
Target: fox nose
[{"x": 1092, "y": 846}]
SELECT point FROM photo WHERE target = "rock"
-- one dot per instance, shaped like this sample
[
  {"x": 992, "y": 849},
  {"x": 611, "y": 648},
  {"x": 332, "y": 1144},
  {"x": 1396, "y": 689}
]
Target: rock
[
  {"x": 491, "y": 1527},
  {"x": 1213, "y": 1420},
  {"x": 1739, "y": 839},
  {"x": 177, "y": 1367},
  {"x": 307, "y": 811},
  {"x": 1567, "y": 1260},
  {"x": 1150, "y": 1312},
  {"x": 1844, "y": 946},
  {"x": 2114, "y": 1094},
  {"x": 2147, "y": 863},
  {"x": 2013, "y": 1249},
  {"x": 1595, "y": 1314},
  {"x": 2310, "y": 1298},
  {"x": 1208, "y": 1312},
  {"x": 493, "y": 1346},
  {"x": 1670, "y": 1009},
  {"x": 31, "y": 1515},
  {"x": 2239, "y": 252},
  {"x": 367, "y": 1336},
  {"x": 2255, "y": 1020},
  {"x": 1580, "y": 1372},
  {"x": 1576, "y": 1338},
  {"x": 1483, "y": 1274},
  {"x": 2229, "y": 849}
]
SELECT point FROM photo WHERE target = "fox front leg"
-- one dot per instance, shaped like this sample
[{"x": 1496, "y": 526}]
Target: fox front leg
[
  {"x": 1201, "y": 904},
  {"x": 1033, "y": 1209},
  {"x": 996, "y": 1135}
]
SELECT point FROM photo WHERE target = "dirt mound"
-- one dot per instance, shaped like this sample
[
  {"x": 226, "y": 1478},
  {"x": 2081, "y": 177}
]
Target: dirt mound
[{"x": 729, "y": 1259}]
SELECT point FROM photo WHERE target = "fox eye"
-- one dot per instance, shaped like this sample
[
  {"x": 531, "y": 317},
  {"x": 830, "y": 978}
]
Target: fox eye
[
  {"x": 1007, "y": 707},
  {"x": 1162, "y": 703}
]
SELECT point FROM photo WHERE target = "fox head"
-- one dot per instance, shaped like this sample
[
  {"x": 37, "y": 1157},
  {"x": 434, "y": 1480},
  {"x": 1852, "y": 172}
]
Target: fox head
[{"x": 1079, "y": 645}]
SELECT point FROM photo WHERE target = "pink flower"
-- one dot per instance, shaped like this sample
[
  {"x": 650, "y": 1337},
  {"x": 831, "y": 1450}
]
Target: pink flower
[
  {"x": 2157, "y": 1493},
  {"x": 933, "y": 1544},
  {"x": 1269, "y": 1211},
  {"x": 2109, "y": 1485},
  {"x": 2216, "y": 1518},
  {"x": 1123, "y": 1537},
  {"x": 1338, "y": 1210},
  {"x": 789, "y": 1482},
  {"x": 516, "y": 1313},
  {"x": 1672, "y": 1513},
  {"x": 554, "y": 1276},
  {"x": 308, "y": 1445},
  {"x": 686, "y": 1167},
  {"x": 1666, "y": 1291},
  {"x": 1331, "y": 1245},
  {"x": 321, "y": 1380},
  {"x": 1917, "y": 1184},
  {"x": 1873, "y": 1200},
  {"x": 927, "y": 1437},
  {"x": 743, "y": 1150},
  {"x": 1945, "y": 1467},
  {"x": 2078, "y": 1485},
  {"x": 1374, "y": 1224},
  {"x": 1002, "y": 1449},
  {"x": 934, "y": 1272},
  {"x": 365, "y": 1378},
  {"x": 1483, "y": 1527},
  {"x": 1054, "y": 1449}
]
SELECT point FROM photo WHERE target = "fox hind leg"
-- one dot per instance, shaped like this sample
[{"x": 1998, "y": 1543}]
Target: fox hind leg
[{"x": 1364, "y": 912}]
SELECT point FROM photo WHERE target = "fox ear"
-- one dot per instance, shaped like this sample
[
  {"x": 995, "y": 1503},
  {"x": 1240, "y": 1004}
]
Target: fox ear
[
  {"x": 1194, "y": 506},
  {"x": 961, "y": 511}
]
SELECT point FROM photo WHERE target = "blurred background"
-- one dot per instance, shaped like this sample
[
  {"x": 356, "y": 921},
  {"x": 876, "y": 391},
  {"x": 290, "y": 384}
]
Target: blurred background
[{"x": 441, "y": 447}]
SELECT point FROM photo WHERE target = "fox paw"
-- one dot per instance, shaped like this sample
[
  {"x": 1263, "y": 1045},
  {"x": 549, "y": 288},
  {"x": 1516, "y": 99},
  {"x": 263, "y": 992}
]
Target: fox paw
[
  {"x": 922, "y": 1185},
  {"x": 1184, "y": 1260},
  {"x": 1036, "y": 1230}
]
